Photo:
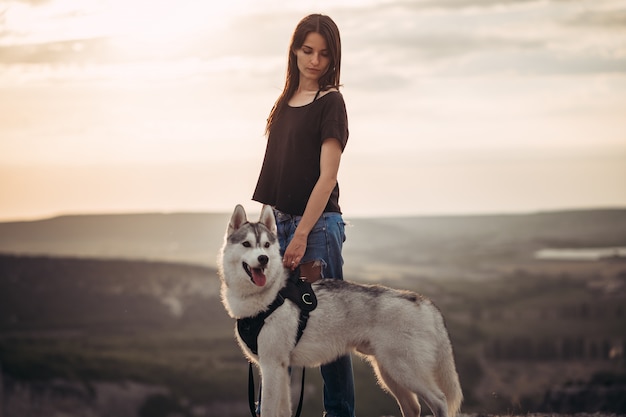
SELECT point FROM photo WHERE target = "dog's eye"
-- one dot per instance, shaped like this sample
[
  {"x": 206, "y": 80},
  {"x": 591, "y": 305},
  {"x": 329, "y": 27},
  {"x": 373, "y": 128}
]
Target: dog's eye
[
  {"x": 267, "y": 245},
  {"x": 246, "y": 244}
]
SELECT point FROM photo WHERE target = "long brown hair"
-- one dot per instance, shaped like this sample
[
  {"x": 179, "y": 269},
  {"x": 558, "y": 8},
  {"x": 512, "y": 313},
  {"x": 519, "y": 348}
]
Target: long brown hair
[{"x": 325, "y": 26}]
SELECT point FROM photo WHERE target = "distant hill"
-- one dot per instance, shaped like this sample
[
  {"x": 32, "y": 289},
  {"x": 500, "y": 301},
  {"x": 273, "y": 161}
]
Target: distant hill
[
  {"x": 41, "y": 292},
  {"x": 459, "y": 244},
  {"x": 180, "y": 237},
  {"x": 427, "y": 242}
]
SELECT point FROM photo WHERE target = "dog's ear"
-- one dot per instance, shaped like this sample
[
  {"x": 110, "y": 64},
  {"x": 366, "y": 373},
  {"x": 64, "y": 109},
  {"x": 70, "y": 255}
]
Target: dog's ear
[
  {"x": 267, "y": 218},
  {"x": 237, "y": 220}
]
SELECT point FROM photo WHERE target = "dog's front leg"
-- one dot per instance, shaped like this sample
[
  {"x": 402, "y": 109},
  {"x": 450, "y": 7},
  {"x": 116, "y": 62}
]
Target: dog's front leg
[{"x": 275, "y": 395}]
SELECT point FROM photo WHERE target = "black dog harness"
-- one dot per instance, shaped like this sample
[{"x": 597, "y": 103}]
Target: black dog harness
[{"x": 298, "y": 292}]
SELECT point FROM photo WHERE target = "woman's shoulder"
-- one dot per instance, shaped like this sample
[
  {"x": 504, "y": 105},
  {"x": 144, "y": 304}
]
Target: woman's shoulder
[
  {"x": 331, "y": 97},
  {"x": 332, "y": 90}
]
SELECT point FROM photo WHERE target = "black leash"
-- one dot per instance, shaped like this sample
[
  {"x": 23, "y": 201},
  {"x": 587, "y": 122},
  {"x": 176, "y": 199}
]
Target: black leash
[
  {"x": 251, "y": 390},
  {"x": 301, "y": 395},
  {"x": 251, "y": 393}
]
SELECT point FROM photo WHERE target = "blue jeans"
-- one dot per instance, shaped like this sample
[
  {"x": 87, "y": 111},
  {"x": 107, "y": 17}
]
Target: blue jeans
[{"x": 324, "y": 244}]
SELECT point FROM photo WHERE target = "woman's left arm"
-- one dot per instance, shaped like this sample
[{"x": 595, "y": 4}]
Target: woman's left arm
[{"x": 329, "y": 168}]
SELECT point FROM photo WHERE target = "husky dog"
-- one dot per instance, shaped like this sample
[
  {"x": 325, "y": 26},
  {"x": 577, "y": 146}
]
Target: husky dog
[{"x": 401, "y": 333}]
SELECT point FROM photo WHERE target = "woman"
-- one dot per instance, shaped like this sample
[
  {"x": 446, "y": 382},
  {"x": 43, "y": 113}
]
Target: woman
[{"x": 307, "y": 132}]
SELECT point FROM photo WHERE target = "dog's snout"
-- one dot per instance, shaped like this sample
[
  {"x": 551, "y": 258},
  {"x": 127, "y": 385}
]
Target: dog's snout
[{"x": 263, "y": 259}]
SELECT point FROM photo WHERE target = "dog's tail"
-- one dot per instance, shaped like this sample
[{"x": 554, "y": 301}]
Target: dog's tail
[{"x": 448, "y": 379}]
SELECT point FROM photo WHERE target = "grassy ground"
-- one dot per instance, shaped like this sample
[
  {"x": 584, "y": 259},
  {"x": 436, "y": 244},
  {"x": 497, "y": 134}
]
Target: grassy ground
[{"x": 515, "y": 338}]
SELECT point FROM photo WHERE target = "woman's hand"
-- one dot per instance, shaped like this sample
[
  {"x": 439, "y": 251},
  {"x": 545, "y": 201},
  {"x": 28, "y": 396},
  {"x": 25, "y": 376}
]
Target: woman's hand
[{"x": 294, "y": 252}]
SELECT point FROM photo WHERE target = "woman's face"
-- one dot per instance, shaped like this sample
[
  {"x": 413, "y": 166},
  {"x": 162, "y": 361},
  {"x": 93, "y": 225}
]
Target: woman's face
[{"x": 313, "y": 57}]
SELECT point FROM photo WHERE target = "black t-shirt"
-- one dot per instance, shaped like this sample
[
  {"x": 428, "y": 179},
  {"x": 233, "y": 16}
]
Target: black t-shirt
[{"x": 291, "y": 166}]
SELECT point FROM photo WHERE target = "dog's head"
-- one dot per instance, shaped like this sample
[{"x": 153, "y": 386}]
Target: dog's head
[{"x": 250, "y": 255}]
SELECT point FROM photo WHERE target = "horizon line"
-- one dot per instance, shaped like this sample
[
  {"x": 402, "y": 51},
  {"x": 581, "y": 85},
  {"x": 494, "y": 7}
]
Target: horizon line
[{"x": 28, "y": 219}]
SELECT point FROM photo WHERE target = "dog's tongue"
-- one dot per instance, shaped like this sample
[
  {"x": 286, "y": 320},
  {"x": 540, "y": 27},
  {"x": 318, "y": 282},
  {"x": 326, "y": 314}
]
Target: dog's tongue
[{"x": 258, "y": 277}]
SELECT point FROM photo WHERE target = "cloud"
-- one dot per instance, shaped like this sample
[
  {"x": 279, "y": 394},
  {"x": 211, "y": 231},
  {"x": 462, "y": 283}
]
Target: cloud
[
  {"x": 606, "y": 19},
  {"x": 395, "y": 40},
  {"x": 29, "y": 2},
  {"x": 477, "y": 37},
  {"x": 436, "y": 46},
  {"x": 79, "y": 50},
  {"x": 102, "y": 50},
  {"x": 459, "y": 4}
]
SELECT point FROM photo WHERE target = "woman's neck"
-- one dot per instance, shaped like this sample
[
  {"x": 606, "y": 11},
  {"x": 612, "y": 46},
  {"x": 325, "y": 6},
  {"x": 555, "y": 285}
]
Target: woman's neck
[
  {"x": 306, "y": 85},
  {"x": 307, "y": 89}
]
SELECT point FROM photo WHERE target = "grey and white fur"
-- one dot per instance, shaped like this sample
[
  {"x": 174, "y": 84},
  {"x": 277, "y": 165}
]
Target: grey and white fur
[{"x": 401, "y": 333}]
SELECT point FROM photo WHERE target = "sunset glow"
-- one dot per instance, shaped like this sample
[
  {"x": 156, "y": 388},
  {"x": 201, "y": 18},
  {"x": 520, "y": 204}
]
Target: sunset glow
[{"x": 450, "y": 104}]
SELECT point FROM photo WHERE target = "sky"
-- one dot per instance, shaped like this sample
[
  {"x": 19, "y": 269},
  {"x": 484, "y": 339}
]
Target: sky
[{"x": 454, "y": 106}]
